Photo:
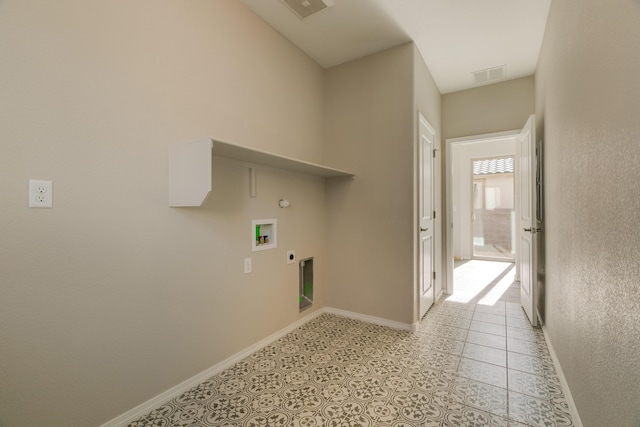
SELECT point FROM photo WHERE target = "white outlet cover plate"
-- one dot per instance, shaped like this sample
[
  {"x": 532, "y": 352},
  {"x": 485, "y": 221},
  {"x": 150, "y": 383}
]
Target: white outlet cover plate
[{"x": 40, "y": 193}]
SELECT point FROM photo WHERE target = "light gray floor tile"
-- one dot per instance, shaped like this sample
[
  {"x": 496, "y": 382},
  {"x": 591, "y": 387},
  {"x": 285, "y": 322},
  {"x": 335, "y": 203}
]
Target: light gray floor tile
[
  {"x": 488, "y": 340},
  {"x": 485, "y": 354},
  {"x": 498, "y": 309},
  {"x": 483, "y": 372},
  {"x": 530, "y": 364},
  {"x": 488, "y": 328},
  {"x": 516, "y": 314},
  {"x": 518, "y": 322},
  {"x": 489, "y": 318}
]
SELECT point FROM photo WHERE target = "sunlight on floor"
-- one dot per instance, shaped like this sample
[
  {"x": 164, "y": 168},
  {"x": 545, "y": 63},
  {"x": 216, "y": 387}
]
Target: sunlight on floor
[{"x": 483, "y": 282}]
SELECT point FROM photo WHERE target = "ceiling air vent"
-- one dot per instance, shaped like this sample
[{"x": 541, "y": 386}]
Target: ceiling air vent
[
  {"x": 305, "y": 8},
  {"x": 490, "y": 75}
]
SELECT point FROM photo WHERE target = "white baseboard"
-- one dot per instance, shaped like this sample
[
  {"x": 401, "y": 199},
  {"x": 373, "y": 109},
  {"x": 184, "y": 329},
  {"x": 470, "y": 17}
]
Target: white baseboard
[
  {"x": 175, "y": 391},
  {"x": 563, "y": 381},
  {"x": 371, "y": 319}
]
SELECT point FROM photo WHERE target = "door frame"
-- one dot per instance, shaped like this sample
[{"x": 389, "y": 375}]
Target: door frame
[{"x": 449, "y": 144}]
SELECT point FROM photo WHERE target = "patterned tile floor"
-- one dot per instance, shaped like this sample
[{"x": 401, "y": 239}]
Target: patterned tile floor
[{"x": 466, "y": 365}]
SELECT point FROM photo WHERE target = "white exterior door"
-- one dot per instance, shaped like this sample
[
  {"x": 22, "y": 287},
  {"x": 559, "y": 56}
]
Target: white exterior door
[
  {"x": 426, "y": 135},
  {"x": 527, "y": 218}
]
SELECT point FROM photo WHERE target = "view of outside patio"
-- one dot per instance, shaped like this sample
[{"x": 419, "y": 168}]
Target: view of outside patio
[{"x": 493, "y": 208}]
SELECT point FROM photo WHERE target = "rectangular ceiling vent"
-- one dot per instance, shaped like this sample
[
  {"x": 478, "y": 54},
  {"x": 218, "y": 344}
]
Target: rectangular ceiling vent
[
  {"x": 490, "y": 75},
  {"x": 305, "y": 8}
]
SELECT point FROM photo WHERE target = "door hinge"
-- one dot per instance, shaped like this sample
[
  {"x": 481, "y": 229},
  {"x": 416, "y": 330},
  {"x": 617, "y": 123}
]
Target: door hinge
[
  {"x": 434, "y": 275},
  {"x": 434, "y": 214},
  {"x": 434, "y": 153}
]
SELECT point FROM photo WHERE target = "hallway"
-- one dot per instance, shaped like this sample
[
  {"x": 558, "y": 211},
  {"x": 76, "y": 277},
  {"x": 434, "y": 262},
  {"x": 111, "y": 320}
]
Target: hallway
[{"x": 466, "y": 365}]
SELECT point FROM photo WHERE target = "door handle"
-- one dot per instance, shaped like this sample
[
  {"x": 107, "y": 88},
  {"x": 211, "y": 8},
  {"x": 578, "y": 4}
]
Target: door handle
[
  {"x": 533, "y": 230},
  {"x": 424, "y": 229}
]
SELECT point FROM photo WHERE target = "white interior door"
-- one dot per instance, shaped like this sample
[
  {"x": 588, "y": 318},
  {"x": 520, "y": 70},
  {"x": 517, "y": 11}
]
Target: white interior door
[
  {"x": 527, "y": 218},
  {"x": 426, "y": 135}
]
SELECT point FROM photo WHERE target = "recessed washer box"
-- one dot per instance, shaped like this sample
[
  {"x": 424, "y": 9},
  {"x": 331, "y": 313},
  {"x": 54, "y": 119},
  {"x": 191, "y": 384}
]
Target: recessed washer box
[{"x": 264, "y": 234}]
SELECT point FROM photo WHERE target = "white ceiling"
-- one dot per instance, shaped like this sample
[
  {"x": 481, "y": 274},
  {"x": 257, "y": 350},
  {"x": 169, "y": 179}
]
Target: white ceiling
[{"x": 455, "y": 37}]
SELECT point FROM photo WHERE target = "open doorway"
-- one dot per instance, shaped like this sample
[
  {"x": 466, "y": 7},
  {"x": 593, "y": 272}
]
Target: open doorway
[
  {"x": 482, "y": 205},
  {"x": 493, "y": 209}
]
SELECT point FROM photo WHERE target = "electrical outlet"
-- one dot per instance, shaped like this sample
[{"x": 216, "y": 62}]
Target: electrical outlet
[
  {"x": 247, "y": 265},
  {"x": 291, "y": 257},
  {"x": 40, "y": 193}
]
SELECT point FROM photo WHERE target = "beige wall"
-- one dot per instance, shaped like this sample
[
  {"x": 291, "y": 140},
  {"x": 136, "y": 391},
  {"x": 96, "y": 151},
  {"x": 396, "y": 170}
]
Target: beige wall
[
  {"x": 588, "y": 104},
  {"x": 371, "y": 120},
  {"x": 369, "y": 117},
  {"x": 486, "y": 109},
  {"x": 111, "y": 297}
]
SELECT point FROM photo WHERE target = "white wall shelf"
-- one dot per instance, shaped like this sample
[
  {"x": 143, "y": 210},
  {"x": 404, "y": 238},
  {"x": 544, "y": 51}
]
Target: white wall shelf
[{"x": 190, "y": 168}]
